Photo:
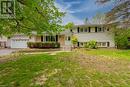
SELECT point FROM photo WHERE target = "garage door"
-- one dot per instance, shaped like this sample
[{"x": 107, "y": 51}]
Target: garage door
[{"x": 19, "y": 43}]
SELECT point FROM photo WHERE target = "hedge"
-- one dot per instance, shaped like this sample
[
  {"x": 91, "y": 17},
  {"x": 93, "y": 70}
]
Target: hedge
[{"x": 43, "y": 45}]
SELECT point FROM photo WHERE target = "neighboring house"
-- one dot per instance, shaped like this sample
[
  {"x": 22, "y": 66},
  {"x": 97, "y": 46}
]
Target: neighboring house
[
  {"x": 84, "y": 33},
  {"x": 3, "y": 41}
]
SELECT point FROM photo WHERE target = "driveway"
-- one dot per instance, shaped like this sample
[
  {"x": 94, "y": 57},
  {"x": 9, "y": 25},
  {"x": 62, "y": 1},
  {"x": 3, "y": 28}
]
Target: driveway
[{"x": 6, "y": 51}]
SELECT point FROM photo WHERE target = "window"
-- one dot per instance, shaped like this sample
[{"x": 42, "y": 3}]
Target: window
[
  {"x": 71, "y": 30},
  {"x": 78, "y": 29},
  {"x": 108, "y": 29},
  {"x": 68, "y": 38},
  {"x": 99, "y": 29},
  {"x": 102, "y": 44},
  {"x": 81, "y": 44},
  {"x": 89, "y": 29},
  {"x": 81, "y": 30},
  {"x": 85, "y": 30},
  {"x": 50, "y": 38}
]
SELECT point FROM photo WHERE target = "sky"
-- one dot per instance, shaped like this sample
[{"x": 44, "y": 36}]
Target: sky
[{"x": 78, "y": 10}]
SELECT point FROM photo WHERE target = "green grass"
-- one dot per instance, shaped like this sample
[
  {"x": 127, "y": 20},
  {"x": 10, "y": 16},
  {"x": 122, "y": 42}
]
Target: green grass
[
  {"x": 64, "y": 70},
  {"x": 26, "y": 71},
  {"x": 110, "y": 53}
]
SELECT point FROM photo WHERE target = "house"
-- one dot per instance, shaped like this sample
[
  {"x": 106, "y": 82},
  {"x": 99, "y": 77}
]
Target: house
[{"x": 84, "y": 33}]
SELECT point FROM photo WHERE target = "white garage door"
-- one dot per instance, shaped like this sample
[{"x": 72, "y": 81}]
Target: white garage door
[{"x": 19, "y": 43}]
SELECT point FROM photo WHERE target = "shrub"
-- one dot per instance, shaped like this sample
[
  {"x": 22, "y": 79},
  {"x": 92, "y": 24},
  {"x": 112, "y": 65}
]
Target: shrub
[
  {"x": 121, "y": 42},
  {"x": 43, "y": 45},
  {"x": 121, "y": 38},
  {"x": 91, "y": 44},
  {"x": 74, "y": 40}
]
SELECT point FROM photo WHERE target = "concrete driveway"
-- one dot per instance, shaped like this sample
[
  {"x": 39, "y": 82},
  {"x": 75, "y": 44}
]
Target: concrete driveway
[{"x": 6, "y": 51}]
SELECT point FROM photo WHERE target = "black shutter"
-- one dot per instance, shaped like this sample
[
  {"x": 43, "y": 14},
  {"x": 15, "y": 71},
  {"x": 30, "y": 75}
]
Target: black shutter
[
  {"x": 56, "y": 38},
  {"x": 108, "y": 44},
  {"x": 89, "y": 29},
  {"x": 95, "y": 29},
  {"x": 78, "y": 44},
  {"x": 41, "y": 38},
  {"x": 78, "y": 29},
  {"x": 46, "y": 38}
]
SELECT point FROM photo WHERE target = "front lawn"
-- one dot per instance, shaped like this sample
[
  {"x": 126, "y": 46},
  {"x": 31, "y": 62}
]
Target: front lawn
[
  {"x": 72, "y": 69},
  {"x": 109, "y": 52}
]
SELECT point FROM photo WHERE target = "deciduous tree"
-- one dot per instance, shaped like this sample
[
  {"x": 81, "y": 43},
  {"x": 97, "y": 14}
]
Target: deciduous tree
[
  {"x": 33, "y": 15},
  {"x": 120, "y": 14}
]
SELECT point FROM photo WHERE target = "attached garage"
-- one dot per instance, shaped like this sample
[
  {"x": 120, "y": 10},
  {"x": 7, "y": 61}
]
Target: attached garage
[{"x": 19, "y": 41}]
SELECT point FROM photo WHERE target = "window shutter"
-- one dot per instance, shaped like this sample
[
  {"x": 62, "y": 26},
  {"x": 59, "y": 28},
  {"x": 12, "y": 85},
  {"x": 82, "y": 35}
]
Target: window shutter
[
  {"x": 95, "y": 29},
  {"x": 41, "y": 38},
  {"x": 78, "y": 29},
  {"x": 78, "y": 44},
  {"x": 46, "y": 38},
  {"x": 89, "y": 29},
  {"x": 56, "y": 38}
]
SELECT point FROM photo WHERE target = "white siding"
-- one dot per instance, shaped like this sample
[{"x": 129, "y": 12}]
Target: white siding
[
  {"x": 99, "y": 37},
  {"x": 32, "y": 38}
]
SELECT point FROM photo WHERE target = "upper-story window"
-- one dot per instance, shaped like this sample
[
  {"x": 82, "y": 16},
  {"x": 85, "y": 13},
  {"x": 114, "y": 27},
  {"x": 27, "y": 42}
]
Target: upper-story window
[
  {"x": 86, "y": 30},
  {"x": 81, "y": 30},
  {"x": 99, "y": 29},
  {"x": 78, "y": 29},
  {"x": 89, "y": 29}
]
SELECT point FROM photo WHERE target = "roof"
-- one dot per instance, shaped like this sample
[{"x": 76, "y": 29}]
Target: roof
[{"x": 90, "y": 25}]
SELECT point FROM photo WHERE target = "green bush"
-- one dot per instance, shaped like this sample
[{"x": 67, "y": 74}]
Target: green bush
[
  {"x": 121, "y": 42},
  {"x": 91, "y": 44},
  {"x": 43, "y": 45},
  {"x": 121, "y": 38},
  {"x": 74, "y": 40}
]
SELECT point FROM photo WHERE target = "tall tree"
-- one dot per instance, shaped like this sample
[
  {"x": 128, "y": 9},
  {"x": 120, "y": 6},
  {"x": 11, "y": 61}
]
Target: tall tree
[
  {"x": 86, "y": 21},
  {"x": 99, "y": 18},
  {"x": 120, "y": 14},
  {"x": 70, "y": 25},
  {"x": 33, "y": 15}
]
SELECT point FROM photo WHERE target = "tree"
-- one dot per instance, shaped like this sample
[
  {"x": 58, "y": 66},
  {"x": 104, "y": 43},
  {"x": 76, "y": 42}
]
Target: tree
[
  {"x": 33, "y": 15},
  {"x": 121, "y": 38},
  {"x": 86, "y": 21},
  {"x": 74, "y": 40},
  {"x": 119, "y": 19},
  {"x": 120, "y": 14},
  {"x": 99, "y": 18},
  {"x": 69, "y": 25}
]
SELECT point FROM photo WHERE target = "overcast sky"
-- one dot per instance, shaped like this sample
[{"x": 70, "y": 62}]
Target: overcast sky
[{"x": 78, "y": 10}]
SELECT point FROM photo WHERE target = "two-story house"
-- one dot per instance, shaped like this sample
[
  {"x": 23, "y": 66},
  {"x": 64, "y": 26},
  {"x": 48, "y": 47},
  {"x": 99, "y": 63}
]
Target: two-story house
[{"x": 84, "y": 33}]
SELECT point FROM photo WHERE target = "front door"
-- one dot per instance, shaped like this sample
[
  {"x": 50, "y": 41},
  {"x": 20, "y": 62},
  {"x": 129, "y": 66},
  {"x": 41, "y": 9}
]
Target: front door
[{"x": 61, "y": 40}]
